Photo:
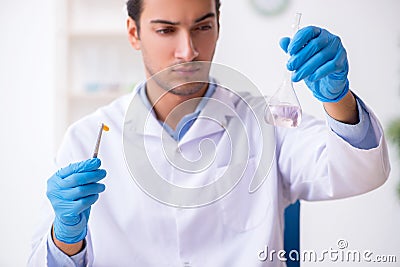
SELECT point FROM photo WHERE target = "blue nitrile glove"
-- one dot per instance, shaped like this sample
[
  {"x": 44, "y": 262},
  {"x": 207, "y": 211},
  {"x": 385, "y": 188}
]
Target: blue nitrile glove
[
  {"x": 72, "y": 190},
  {"x": 318, "y": 57}
]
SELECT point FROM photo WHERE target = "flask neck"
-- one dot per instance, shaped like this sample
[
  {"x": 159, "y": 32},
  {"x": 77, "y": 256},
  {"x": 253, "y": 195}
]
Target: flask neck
[{"x": 287, "y": 75}]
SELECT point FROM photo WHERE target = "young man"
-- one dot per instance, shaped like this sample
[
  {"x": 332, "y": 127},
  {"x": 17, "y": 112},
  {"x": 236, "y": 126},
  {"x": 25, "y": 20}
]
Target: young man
[{"x": 130, "y": 227}]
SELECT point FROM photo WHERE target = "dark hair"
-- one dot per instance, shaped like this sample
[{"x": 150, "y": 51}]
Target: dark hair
[{"x": 135, "y": 9}]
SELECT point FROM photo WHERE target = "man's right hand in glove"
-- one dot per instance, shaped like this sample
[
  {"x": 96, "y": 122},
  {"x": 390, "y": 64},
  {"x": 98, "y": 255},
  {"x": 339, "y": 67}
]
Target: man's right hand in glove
[{"x": 72, "y": 191}]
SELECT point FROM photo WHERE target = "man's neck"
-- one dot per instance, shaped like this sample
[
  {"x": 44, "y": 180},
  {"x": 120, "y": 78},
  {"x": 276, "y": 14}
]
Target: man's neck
[{"x": 171, "y": 108}]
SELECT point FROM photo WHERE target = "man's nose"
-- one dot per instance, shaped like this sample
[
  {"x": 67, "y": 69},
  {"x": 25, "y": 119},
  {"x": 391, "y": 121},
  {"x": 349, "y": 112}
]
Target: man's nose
[{"x": 186, "y": 50}]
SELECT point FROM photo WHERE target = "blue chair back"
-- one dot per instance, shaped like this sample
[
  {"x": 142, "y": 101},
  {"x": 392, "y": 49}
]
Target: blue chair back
[{"x": 292, "y": 232}]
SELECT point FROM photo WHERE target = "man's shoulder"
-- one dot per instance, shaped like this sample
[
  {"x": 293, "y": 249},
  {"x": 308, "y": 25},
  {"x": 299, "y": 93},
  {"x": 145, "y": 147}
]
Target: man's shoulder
[{"x": 241, "y": 99}]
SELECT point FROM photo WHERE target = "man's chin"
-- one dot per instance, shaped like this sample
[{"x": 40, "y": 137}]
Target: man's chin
[{"x": 188, "y": 88}]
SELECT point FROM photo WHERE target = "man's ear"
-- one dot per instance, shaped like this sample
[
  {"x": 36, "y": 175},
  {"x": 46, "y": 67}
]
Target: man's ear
[{"x": 133, "y": 33}]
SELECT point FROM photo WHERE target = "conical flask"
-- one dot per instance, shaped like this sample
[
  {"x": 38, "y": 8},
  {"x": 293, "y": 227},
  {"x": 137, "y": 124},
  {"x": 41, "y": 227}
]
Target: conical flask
[{"x": 283, "y": 107}]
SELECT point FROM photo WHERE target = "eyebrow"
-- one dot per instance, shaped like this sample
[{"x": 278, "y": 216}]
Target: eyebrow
[
  {"x": 162, "y": 21},
  {"x": 206, "y": 16}
]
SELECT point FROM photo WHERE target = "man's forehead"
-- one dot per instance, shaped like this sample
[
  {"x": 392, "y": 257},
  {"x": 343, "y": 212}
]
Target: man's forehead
[{"x": 180, "y": 11}]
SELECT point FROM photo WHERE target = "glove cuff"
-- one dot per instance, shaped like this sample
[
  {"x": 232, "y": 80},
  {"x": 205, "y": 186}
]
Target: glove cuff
[
  {"x": 69, "y": 234},
  {"x": 336, "y": 99}
]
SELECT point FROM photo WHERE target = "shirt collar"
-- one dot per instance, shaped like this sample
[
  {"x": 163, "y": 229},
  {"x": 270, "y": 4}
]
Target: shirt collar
[{"x": 187, "y": 121}]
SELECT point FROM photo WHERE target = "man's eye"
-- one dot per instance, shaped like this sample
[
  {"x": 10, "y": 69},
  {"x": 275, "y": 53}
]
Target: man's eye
[
  {"x": 204, "y": 28},
  {"x": 165, "y": 31}
]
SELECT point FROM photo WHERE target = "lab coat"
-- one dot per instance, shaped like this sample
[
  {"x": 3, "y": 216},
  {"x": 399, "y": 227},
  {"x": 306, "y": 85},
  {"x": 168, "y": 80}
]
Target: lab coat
[{"x": 128, "y": 227}]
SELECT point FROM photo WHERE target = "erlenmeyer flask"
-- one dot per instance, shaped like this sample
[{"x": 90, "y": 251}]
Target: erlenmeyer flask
[{"x": 283, "y": 107}]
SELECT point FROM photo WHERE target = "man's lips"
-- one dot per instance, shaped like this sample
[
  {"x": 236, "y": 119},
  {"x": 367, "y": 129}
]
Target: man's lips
[{"x": 186, "y": 70}]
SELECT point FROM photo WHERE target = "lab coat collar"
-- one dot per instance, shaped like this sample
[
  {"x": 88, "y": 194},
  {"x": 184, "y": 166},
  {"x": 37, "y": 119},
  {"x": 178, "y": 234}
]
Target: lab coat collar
[
  {"x": 139, "y": 121},
  {"x": 213, "y": 118}
]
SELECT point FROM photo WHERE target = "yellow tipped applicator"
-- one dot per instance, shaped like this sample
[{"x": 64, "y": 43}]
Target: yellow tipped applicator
[{"x": 103, "y": 127}]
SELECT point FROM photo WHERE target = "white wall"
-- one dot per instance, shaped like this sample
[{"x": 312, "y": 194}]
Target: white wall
[
  {"x": 248, "y": 42},
  {"x": 26, "y": 110}
]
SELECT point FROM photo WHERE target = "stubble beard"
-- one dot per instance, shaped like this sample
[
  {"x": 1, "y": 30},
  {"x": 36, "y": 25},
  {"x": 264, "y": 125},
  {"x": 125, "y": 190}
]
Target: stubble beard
[{"x": 185, "y": 86}]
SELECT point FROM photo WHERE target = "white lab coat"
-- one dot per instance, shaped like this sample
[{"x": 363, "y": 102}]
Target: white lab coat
[{"x": 129, "y": 228}]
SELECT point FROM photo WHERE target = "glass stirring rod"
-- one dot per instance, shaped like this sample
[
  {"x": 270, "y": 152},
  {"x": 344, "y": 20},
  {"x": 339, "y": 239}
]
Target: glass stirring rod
[{"x": 283, "y": 107}]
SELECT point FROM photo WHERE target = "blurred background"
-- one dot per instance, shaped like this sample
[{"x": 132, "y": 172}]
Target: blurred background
[{"x": 60, "y": 60}]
